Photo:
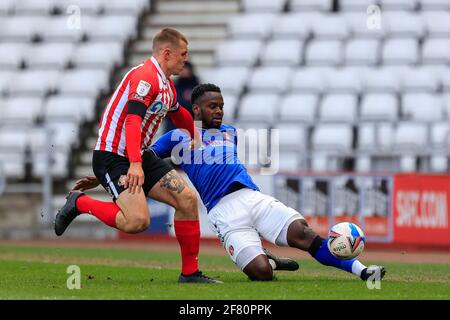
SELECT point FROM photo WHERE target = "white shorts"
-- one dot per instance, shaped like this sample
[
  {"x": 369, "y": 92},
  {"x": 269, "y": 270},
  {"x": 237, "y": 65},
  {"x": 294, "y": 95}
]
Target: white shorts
[{"x": 242, "y": 218}]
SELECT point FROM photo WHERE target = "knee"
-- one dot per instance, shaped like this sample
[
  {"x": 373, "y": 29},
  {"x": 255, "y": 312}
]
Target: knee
[
  {"x": 137, "y": 224},
  {"x": 187, "y": 202},
  {"x": 261, "y": 273}
]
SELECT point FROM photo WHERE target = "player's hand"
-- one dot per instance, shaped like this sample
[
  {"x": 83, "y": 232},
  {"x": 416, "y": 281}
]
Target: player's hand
[
  {"x": 135, "y": 178},
  {"x": 86, "y": 183}
]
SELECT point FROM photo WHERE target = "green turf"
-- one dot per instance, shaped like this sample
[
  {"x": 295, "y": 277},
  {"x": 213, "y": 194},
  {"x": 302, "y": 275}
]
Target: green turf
[{"x": 40, "y": 273}]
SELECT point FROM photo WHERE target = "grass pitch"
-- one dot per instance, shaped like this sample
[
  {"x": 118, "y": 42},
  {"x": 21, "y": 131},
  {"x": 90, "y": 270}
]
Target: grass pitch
[{"x": 41, "y": 273}]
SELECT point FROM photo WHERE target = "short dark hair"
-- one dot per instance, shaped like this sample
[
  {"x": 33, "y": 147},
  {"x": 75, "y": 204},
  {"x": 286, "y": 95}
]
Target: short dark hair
[{"x": 199, "y": 90}]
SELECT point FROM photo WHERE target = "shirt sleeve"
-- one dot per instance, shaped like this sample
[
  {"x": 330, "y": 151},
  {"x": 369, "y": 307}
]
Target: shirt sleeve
[
  {"x": 164, "y": 145},
  {"x": 142, "y": 88}
]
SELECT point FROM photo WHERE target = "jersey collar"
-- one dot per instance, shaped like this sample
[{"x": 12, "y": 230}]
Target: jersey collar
[{"x": 158, "y": 67}]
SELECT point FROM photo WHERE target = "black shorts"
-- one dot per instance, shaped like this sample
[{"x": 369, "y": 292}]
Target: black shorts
[{"x": 109, "y": 167}]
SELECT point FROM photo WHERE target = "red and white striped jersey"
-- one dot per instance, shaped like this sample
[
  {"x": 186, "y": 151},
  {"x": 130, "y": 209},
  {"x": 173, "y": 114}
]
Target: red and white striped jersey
[{"x": 145, "y": 83}]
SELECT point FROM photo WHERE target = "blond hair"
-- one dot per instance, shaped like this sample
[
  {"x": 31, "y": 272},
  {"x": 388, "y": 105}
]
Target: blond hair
[{"x": 168, "y": 36}]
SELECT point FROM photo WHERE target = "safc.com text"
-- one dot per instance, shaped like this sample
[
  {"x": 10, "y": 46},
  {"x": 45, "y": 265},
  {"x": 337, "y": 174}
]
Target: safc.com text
[{"x": 254, "y": 148}]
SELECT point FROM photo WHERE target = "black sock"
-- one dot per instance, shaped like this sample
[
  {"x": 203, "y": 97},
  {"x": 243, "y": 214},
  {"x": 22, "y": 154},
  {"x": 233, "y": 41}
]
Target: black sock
[{"x": 315, "y": 245}]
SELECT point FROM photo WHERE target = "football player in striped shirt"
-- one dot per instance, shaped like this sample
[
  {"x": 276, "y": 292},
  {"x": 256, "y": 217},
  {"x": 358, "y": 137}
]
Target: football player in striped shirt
[{"x": 124, "y": 166}]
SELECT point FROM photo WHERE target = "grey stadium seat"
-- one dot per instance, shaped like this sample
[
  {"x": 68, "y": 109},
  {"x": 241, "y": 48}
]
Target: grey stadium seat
[
  {"x": 33, "y": 82},
  {"x": 422, "y": 107},
  {"x": 99, "y": 55},
  {"x": 291, "y": 26},
  {"x": 33, "y": 7},
  {"x": 379, "y": 106},
  {"x": 232, "y": 53},
  {"x": 375, "y": 137},
  {"x": 400, "y": 51},
  {"x": 270, "y": 79},
  {"x": 434, "y": 5},
  {"x": 437, "y": 23},
  {"x": 259, "y": 108},
  {"x": 283, "y": 53},
  {"x": 251, "y": 26},
  {"x": 324, "y": 52},
  {"x": 263, "y": 5},
  {"x": 362, "y": 52},
  {"x": 49, "y": 55},
  {"x": 229, "y": 79},
  {"x": 21, "y": 110},
  {"x": 356, "y": 5},
  {"x": 343, "y": 80},
  {"x": 64, "y": 29},
  {"x": 83, "y": 82},
  {"x": 292, "y": 137},
  {"x": 436, "y": 51},
  {"x": 88, "y": 7},
  {"x": 410, "y": 137},
  {"x": 404, "y": 24},
  {"x": 400, "y": 5},
  {"x": 339, "y": 108},
  {"x": 329, "y": 27},
  {"x": 114, "y": 28},
  {"x": 421, "y": 79},
  {"x": 69, "y": 108},
  {"x": 299, "y": 108},
  {"x": 310, "y": 80},
  {"x": 311, "y": 5},
  {"x": 21, "y": 28},
  {"x": 12, "y": 54}
]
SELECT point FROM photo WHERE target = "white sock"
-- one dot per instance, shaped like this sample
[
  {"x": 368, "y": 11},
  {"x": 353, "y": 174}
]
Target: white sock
[
  {"x": 273, "y": 264},
  {"x": 357, "y": 268}
]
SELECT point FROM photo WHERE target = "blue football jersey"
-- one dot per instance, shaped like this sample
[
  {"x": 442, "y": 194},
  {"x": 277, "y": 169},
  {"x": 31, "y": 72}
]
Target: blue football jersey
[{"x": 212, "y": 168}]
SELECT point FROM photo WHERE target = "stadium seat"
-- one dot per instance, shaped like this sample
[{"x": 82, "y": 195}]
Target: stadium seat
[
  {"x": 422, "y": 107},
  {"x": 33, "y": 7},
  {"x": 403, "y": 24},
  {"x": 356, "y": 5},
  {"x": 291, "y": 25},
  {"x": 446, "y": 105},
  {"x": 59, "y": 167},
  {"x": 5, "y": 79},
  {"x": 299, "y": 108},
  {"x": 21, "y": 28},
  {"x": 92, "y": 55},
  {"x": 12, "y": 54},
  {"x": 18, "y": 109},
  {"x": 311, "y": 80},
  {"x": 407, "y": 163},
  {"x": 7, "y": 7},
  {"x": 88, "y": 7},
  {"x": 338, "y": 108},
  {"x": 229, "y": 79},
  {"x": 33, "y": 82},
  {"x": 439, "y": 164},
  {"x": 379, "y": 107},
  {"x": 270, "y": 79},
  {"x": 434, "y": 5},
  {"x": 375, "y": 137},
  {"x": 358, "y": 25},
  {"x": 83, "y": 82},
  {"x": 400, "y": 5},
  {"x": 362, "y": 52},
  {"x": 343, "y": 80},
  {"x": 230, "y": 106},
  {"x": 437, "y": 24},
  {"x": 231, "y": 53},
  {"x": 251, "y": 26},
  {"x": 117, "y": 28},
  {"x": 329, "y": 27},
  {"x": 324, "y": 52},
  {"x": 440, "y": 136},
  {"x": 259, "y": 108},
  {"x": 421, "y": 79},
  {"x": 283, "y": 53},
  {"x": 311, "y": 5},
  {"x": 290, "y": 161},
  {"x": 62, "y": 29},
  {"x": 69, "y": 108},
  {"x": 49, "y": 55},
  {"x": 12, "y": 164},
  {"x": 263, "y": 5},
  {"x": 400, "y": 51},
  {"x": 129, "y": 7},
  {"x": 410, "y": 137},
  {"x": 292, "y": 137},
  {"x": 332, "y": 137},
  {"x": 436, "y": 51},
  {"x": 13, "y": 140},
  {"x": 382, "y": 80}
]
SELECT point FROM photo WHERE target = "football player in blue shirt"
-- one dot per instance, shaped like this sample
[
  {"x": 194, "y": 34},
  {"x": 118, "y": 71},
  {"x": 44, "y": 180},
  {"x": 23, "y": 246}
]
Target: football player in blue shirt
[{"x": 237, "y": 211}]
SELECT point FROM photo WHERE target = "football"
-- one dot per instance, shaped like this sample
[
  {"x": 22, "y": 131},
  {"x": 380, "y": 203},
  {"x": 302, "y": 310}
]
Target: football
[{"x": 346, "y": 240}]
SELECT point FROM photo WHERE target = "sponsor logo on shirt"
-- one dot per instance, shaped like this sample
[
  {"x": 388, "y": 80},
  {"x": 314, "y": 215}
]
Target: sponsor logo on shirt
[{"x": 143, "y": 88}]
